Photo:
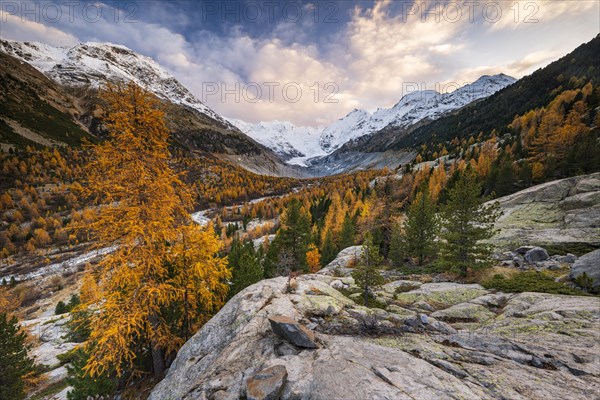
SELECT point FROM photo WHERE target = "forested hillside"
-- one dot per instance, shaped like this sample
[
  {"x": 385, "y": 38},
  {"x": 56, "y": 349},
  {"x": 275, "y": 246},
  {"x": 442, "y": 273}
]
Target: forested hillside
[{"x": 570, "y": 72}]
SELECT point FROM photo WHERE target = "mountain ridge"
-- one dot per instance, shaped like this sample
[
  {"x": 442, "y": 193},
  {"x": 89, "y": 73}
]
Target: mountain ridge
[
  {"x": 409, "y": 110},
  {"x": 497, "y": 112},
  {"x": 93, "y": 63},
  {"x": 77, "y": 72}
]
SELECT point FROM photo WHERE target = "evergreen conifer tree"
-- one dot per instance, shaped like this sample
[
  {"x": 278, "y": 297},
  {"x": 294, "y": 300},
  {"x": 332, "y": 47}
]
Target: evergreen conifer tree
[
  {"x": 328, "y": 249},
  {"x": 397, "y": 251},
  {"x": 347, "y": 233},
  {"x": 246, "y": 269},
  {"x": 14, "y": 362},
  {"x": 367, "y": 275},
  {"x": 466, "y": 223},
  {"x": 421, "y": 228},
  {"x": 294, "y": 234}
]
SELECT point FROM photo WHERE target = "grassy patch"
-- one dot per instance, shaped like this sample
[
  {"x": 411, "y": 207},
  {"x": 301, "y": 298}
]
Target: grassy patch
[
  {"x": 406, "y": 288},
  {"x": 53, "y": 389},
  {"x": 488, "y": 273},
  {"x": 578, "y": 249},
  {"x": 421, "y": 270},
  {"x": 529, "y": 281}
]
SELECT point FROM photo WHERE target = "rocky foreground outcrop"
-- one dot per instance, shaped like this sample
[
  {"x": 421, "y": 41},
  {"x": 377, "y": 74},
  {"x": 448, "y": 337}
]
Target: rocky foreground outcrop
[
  {"x": 565, "y": 211},
  {"x": 433, "y": 341}
]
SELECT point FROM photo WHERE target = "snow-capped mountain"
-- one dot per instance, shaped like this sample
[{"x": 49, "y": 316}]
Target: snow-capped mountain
[
  {"x": 412, "y": 108},
  {"x": 93, "y": 64},
  {"x": 298, "y": 144},
  {"x": 291, "y": 142}
]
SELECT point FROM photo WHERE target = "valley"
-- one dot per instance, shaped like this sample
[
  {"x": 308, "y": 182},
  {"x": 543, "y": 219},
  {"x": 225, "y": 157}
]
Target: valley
[{"x": 446, "y": 247}]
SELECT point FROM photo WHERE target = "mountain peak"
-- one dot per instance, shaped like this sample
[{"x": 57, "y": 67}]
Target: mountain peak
[
  {"x": 93, "y": 64},
  {"x": 301, "y": 143}
]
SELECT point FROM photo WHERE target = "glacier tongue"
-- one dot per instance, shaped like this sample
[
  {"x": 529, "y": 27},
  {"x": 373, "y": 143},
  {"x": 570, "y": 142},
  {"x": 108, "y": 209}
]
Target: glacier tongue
[
  {"x": 291, "y": 142},
  {"x": 94, "y": 64}
]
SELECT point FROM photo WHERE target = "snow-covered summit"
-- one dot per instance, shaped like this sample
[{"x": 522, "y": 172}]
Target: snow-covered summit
[
  {"x": 412, "y": 108},
  {"x": 298, "y": 144},
  {"x": 93, "y": 64}
]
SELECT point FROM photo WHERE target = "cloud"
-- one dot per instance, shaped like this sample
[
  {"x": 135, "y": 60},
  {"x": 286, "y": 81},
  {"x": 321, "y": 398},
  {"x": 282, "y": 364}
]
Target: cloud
[
  {"x": 369, "y": 56},
  {"x": 516, "y": 68},
  {"x": 523, "y": 15},
  {"x": 16, "y": 28}
]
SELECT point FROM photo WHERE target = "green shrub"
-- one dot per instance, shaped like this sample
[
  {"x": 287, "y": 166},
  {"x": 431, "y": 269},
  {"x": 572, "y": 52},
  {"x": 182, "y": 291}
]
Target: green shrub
[
  {"x": 68, "y": 357},
  {"x": 586, "y": 282},
  {"x": 79, "y": 326},
  {"x": 529, "y": 281},
  {"x": 83, "y": 385},
  {"x": 578, "y": 249},
  {"x": 74, "y": 301},
  {"x": 61, "y": 308}
]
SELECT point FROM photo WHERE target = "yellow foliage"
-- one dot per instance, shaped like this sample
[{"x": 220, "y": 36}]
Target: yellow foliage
[
  {"x": 487, "y": 156},
  {"x": 161, "y": 261},
  {"x": 537, "y": 170},
  {"x": 313, "y": 258},
  {"x": 437, "y": 181},
  {"x": 89, "y": 289}
]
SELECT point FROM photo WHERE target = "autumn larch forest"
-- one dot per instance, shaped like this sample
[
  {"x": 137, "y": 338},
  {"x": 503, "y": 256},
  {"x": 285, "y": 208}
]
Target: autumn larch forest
[{"x": 443, "y": 244}]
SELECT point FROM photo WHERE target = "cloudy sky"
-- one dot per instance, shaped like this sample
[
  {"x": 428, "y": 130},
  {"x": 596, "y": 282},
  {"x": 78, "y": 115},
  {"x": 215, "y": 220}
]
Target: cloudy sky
[{"x": 313, "y": 62}]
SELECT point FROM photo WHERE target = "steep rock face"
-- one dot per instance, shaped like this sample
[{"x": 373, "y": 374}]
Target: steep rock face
[
  {"x": 531, "y": 346},
  {"x": 557, "y": 212}
]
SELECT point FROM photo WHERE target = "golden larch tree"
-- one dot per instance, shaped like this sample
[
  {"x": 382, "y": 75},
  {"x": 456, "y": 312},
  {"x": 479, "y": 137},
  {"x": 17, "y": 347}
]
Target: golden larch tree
[
  {"x": 163, "y": 277},
  {"x": 313, "y": 259}
]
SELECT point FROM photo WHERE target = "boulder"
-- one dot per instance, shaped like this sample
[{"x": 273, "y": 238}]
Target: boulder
[
  {"x": 464, "y": 312},
  {"x": 343, "y": 263},
  {"x": 292, "y": 331},
  {"x": 536, "y": 254},
  {"x": 266, "y": 384},
  {"x": 549, "y": 265},
  {"x": 338, "y": 284},
  {"x": 568, "y": 259},
  {"x": 422, "y": 305},
  {"x": 400, "y": 286},
  {"x": 560, "y": 212},
  {"x": 587, "y": 184},
  {"x": 589, "y": 264},
  {"x": 423, "y": 323},
  {"x": 400, "y": 311},
  {"x": 539, "y": 346},
  {"x": 524, "y": 249}
]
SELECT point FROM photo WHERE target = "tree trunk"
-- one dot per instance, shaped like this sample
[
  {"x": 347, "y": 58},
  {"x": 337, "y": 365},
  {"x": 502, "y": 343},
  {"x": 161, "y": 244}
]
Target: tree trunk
[
  {"x": 158, "y": 361},
  {"x": 158, "y": 354}
]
